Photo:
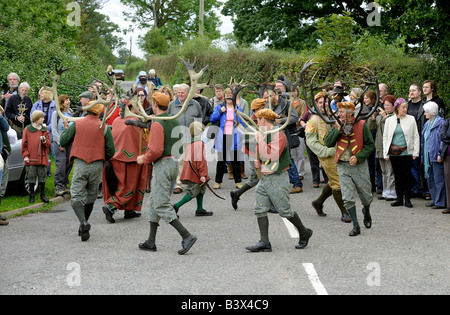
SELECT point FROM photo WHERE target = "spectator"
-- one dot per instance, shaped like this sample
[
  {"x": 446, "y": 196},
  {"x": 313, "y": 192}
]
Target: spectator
[
  {"x": 444, "y": 154},
  {"x": 228, "y": 140},
  {"x": 19, "y": 109},
  {"x": 431, "y": 143},
  {"x": 376, "y": 124},
  {"x": 415, "y": 108},
  {"x": 192, "y": 112},
  {"x": 298, "y": 153},
  {"x": 62, "y": 154},
  {"x": 154, "y": 78},
  {"x": 430, "y": 92},
  {"x": 47, "y": 105},
  {"x": 401, "y": 145},
  {"x": 13, "y": 88}
]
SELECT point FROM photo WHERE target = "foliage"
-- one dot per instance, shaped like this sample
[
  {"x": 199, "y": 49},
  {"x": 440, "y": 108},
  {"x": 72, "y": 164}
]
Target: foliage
[
  {"x": 35, "y": 38},
  {"x": 26, "y": 54},
  {"x": 177, "y": 20},
  {"x": 340, "y": 53}
]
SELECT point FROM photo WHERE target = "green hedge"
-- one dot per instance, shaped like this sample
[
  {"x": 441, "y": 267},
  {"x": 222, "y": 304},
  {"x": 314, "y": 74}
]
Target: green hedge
[{"x": 389, "y": 62}]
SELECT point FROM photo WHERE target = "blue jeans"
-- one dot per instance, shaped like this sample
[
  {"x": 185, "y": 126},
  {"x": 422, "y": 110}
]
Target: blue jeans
[{"x": 293, "y": 175}]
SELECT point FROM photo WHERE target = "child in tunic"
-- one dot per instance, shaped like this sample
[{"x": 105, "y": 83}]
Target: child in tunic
[
  {"x": 35, "y": 149},
  {"x": 195, "y": 170}
]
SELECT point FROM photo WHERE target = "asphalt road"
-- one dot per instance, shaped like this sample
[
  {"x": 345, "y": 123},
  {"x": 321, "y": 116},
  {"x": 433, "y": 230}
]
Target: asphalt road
[{"x": 405, "y": 252}]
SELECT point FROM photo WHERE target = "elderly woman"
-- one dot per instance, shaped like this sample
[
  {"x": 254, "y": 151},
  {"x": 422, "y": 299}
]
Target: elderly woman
[
  {"x": 376, "y": 122},
  {"x": 430, "y": 145},
  {"x": 401, "y": 145}
]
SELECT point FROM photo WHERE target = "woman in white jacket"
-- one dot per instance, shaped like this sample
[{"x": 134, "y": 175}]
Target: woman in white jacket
[{"x": 401, "y": 145}]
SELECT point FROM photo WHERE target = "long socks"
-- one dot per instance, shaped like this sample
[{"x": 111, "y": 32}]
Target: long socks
[
  {"x": 337, "y": 195},
  {"x": 352, "y": 213},
  {"x": 326, "y": 192},
  {"x": 180, "y": 228},
  {"x": 295, "y": 220},
  {"x": 263, "y": 223},
  {"x": 184, "y": 200}
]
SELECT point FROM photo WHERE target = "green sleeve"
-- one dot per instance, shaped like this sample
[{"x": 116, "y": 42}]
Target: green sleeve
[
  {"x": 312, "y": 141},
  {"x": 332, "y": 137},
  {"x": 67, "y": 136},
  {"x": 110, "y": 148},
  {"x": 369, "y": 145}
]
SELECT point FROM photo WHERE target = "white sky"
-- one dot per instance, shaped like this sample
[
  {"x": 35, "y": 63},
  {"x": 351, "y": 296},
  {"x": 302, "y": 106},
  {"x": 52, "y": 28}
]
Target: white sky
[{"x": 114, "y": 9}]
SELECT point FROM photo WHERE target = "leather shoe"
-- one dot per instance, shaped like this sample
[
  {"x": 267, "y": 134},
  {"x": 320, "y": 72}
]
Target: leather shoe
[
  {"x": 346, "y": 218},
  {"x": 83, "y": 231},
  {"x": 356, "y": 230},
  {"x": 260, "y": 247},
  {"x": 108, "y": 214},
  {"x": 304, "y": 240},
  {"x": 319, "y": 208},
  {"x": 296, "y": 190},
  {"x": 397, "y": 203},
  {"x": 203, "y": 213},
  {"x": 130, "y": 214},
  {"x": 187, "y": 243},
  {"x": 147, "y": 246},
  {"x": 234, "y": 199},
  {"x": 437, "y": 207}
]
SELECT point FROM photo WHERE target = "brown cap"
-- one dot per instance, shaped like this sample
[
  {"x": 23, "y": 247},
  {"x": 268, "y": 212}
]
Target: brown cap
[
  {"x": 267, "y": 114},
  {"x": 97, "y": 109},
  {"x": 257, "y": 103},
  {"x": 161, "y": 99}
]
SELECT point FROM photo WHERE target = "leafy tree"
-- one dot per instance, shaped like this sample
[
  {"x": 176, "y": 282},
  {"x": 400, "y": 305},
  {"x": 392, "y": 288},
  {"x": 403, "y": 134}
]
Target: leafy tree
[{"x": 176, "y": 19}]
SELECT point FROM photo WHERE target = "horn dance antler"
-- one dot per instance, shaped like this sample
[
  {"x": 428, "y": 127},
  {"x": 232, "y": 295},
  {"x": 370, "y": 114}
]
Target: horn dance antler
[
  {"x": 194, "y": 76},
  {"x": 54, "y": 89}
]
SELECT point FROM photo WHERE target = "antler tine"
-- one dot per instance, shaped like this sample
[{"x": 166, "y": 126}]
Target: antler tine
[{"x": 194, "y": 76}]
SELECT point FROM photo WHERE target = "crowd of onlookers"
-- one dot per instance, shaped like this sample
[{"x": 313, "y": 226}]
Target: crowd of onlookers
[{"x": 414, "y": 165}]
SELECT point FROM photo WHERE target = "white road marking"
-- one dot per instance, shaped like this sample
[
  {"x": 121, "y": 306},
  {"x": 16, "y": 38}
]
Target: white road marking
[
  {"x": 314, "y": 278},
  {"x": 291, "y": 228}
]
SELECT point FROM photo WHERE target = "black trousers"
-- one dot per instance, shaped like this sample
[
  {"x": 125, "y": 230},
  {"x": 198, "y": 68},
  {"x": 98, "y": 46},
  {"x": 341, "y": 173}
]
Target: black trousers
[
  {"x": 403, "y": 177},
  {"x": 227, "y": 142}
]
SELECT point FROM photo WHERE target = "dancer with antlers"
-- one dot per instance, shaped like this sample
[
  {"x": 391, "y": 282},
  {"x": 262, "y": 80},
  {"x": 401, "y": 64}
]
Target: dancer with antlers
[
  {"x": 163, "y": 153},
  {"x": 352, "y": 150},
  {"x": 165, "y": 169},
  {"x": 273, "y": 187},
  {"x": 91, "y": 146}
]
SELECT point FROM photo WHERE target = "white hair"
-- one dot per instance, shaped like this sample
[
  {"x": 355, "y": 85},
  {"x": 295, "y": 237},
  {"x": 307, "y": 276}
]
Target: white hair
[
  {"x": 431, "y": 107},
  {"x": 152, "y": 71},
  {"x": 15, "y": 75},
  {"x": 184, "y": 86},
  {"x": 24, "y": 84}
]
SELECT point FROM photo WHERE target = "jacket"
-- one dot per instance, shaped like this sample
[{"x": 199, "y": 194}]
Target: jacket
[
  {"x": 445, "y": 138},
  {"x": 51, "y": 109},
  {"x": 434, "y": 141},
  {"x": 217, "y": 115},
  {"x": 409, "y": 127}
]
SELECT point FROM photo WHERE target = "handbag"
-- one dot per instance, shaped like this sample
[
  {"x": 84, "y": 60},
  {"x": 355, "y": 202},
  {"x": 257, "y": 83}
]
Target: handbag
[{"x": 396, "y": 150}]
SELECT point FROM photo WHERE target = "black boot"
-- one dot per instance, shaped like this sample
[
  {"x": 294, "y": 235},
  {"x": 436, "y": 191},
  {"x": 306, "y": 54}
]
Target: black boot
[
  {"x": 408, "y": 203},
  {"x": 43, "y": 196},
  {"x": 398, "y": 202},
  {"x": 367, "y": 218},
  {"x": 31, "y": 200}
]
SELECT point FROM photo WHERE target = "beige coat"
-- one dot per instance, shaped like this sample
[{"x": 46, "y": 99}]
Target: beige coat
[{"x": 409, "y": 127}]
